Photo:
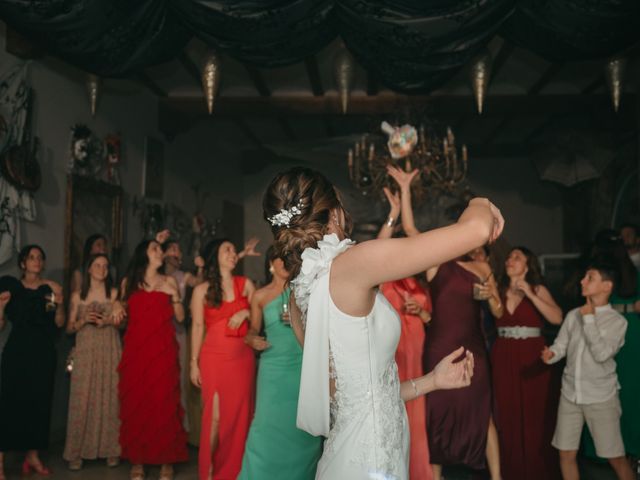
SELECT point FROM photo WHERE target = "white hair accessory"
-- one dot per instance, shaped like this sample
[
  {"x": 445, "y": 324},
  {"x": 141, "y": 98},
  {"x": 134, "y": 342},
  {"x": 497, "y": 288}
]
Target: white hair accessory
[{"x": 286, "y": 214}]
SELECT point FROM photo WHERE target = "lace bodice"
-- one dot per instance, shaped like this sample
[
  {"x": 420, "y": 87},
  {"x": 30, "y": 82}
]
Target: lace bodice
[{"x": 365, "y": 422}]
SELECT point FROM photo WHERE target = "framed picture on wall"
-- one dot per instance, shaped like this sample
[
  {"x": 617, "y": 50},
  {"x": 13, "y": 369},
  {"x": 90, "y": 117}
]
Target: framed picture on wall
[{"x": 153, "y": 171}]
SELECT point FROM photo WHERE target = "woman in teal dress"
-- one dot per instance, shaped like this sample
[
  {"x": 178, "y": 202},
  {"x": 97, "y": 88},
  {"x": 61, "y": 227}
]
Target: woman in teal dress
[{"x": 275, "y": 447}]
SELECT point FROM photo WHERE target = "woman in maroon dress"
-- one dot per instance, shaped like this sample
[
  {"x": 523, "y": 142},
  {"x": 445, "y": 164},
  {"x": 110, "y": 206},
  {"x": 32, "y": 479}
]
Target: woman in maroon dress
[
  {"x": 524, "y": 387},
  {"x": 222, "y": 365},
  {"x": 151, "y": 430},
  {"x": 460, "y": 425}
]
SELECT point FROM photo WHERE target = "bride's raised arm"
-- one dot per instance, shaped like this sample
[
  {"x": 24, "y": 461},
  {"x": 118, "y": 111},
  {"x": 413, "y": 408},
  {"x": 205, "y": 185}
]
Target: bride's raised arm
[{"x": 366, "y": 265}]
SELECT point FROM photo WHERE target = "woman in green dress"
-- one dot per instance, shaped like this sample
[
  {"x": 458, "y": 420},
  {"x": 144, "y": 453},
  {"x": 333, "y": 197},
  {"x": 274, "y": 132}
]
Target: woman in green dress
[{"x": 275, "y": 447}]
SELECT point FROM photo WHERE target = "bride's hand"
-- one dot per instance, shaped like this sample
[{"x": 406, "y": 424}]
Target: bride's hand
[
  {"x": 486, "y": 211},
  {"x": 449, "y": 375}
]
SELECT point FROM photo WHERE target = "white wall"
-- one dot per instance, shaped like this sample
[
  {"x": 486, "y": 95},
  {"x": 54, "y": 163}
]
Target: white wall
[{"x": 60, "y": 102}]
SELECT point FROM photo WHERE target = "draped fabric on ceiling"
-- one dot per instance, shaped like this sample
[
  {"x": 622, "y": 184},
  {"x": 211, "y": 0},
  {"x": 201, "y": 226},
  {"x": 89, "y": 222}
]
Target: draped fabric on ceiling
[
  {"x": 565, "y": 30},
  {"x": 408, "y": 45}
]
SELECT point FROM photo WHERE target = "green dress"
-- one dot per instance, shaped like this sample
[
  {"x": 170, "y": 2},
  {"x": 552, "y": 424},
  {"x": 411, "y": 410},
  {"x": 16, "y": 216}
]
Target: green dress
[
  {"x": 275, "y": 447},
  {"x": 628, "y": 361}
]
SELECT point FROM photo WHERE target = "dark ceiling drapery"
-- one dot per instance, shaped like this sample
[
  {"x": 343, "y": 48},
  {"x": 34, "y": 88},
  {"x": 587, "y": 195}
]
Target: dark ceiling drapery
[
  {"x": 409, "y": 45},
  {"x": 565, "y": 30}
]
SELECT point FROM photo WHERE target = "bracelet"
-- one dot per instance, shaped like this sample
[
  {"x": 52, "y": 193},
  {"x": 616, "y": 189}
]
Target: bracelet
[
  {"x": 390, "y": 221},
  {"x": 176, "y": 301},
  {"x": 415, "y": 388}
]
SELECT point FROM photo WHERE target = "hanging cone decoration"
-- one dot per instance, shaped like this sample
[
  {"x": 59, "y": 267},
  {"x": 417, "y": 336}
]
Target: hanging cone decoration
[
  {"x": 210, "y": 78},
  {"x": 480, "y": 73},
  {"x": 344, "y": 69},
  {"x": 614, "y": 72},
  {"x": 93, "y": 89}
]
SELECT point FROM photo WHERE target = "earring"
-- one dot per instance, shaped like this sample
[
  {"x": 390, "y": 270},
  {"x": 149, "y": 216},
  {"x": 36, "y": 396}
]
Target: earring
[{"x": 271, "y": 270}]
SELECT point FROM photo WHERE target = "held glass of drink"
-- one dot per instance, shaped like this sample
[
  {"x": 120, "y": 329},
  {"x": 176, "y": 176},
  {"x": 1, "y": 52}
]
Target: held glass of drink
[
  {"x": 51, "y": 304},
  {"x": 285, "y": 315},
  {"x": 478, "y": 293}
]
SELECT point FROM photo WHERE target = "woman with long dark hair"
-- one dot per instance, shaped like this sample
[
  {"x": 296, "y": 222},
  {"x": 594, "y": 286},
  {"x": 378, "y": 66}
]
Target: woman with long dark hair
[
  {"x": 349, "y": 386},
  {"x": 525, "y": 390},
  {"x": 221, "y": 363},
  {"x": 93, "y": 425},
  {"x": 33, "y": 305},
  {"x": 151, "y": 430}
]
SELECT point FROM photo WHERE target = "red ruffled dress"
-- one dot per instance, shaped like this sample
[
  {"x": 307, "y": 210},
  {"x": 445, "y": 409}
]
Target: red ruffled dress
[{"x": 151, "y": 430}]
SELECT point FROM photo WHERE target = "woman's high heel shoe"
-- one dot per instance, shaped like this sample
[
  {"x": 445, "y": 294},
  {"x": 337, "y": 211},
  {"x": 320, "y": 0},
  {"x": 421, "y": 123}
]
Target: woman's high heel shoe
[
  {"x": 39, "y": 468},
  {"x": 166, "y": 472}
]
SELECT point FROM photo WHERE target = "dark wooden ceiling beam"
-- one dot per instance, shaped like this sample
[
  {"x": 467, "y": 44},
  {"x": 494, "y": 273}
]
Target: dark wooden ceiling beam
[
  {"x": 545, "y": 78},
  {"x": 191, "y": 68},
  {"x": 593, "y": 86},
  {"x": 372, "y": 84},
  {"x": 152, "y": 86},
  {"x": 501, "y": 59},
  {"x": 248, "y": 133},
  {"x": 258, "y": 81},
  {"x": 438, "y": 106},
  {"x": 285, "y": 125},
  {"x": 498, "y": 129},
  {"x": 311, "y": 64}
]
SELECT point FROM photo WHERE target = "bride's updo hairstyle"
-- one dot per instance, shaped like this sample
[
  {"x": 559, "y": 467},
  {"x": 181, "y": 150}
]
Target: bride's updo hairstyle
[{"x": 315, "y": 197}]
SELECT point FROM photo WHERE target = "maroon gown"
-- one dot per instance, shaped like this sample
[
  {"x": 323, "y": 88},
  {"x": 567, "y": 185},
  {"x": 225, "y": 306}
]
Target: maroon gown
[
  {"x": 526, "y": 398},
  {"x": 457, "y": 420},
  {"x": 151, "y": 430}
]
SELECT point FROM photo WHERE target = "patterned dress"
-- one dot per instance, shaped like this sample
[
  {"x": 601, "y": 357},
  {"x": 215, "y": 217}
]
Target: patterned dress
[{"x": 93, "y": 425}]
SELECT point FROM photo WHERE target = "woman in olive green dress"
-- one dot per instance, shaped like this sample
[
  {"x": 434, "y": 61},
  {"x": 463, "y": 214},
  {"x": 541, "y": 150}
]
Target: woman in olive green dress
[{"x": 275, "y": 447}]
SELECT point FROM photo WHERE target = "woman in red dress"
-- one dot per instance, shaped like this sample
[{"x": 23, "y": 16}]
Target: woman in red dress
[
  {"x": 151, "y": 430},
  {"x": 223, "y": 365},
  {"x": 412, "y": 302},
  {"x": 525, "y": 389}
]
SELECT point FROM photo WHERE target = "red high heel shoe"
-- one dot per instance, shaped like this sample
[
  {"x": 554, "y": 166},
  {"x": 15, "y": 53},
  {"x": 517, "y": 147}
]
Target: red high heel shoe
[{"x": 39, "y": 468}]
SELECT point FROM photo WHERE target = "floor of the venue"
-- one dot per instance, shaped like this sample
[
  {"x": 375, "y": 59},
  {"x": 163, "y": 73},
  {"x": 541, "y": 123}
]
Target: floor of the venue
[{"x": 97, "y": 470}]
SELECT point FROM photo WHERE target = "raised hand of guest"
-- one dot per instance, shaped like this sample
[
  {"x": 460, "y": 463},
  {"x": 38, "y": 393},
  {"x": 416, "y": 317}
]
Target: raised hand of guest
[
  {"x": 256, "y": 342},
  {"x": 402, "y": 178},
  {"x": 194, "y": 373},
  {"x": 170, "y": 289},
  {"x": 162, "y": 236},
  {"x": 237, "y": 318},
  {"x": 523, "y": 286},
  {"x": 587, "y": 308},
  {"x": 484, "y": 291},
  {"x": 394, "y": 202},
  {"x": 547, "y": 355},
  {"x": 450, "y": 374},
  {"x": 249, "y": 249}
]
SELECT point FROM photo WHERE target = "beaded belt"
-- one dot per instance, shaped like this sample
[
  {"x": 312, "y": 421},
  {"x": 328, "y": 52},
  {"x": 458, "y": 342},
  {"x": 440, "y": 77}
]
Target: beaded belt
[{"x": 519, "y": 332}]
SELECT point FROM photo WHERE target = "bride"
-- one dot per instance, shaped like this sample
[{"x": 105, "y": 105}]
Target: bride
[{"x": 349, "y": 389}]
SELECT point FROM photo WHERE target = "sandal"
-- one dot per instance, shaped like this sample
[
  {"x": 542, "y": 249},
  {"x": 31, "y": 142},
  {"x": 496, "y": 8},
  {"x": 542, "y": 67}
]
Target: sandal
[
  {"x": 113, "y": 462},
  {"x": 75, "y": 465},
  {"x": 37, "y": 467},
  {"x": 166, "y": 472},
  {"x": 137, "y": 472}
]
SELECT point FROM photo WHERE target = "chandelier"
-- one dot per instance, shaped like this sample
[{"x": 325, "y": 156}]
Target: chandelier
[{"x": 442, "y": 169}]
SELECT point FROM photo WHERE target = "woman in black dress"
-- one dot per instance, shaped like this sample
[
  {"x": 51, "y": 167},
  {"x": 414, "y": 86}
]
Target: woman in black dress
[{"x": 33, "y": 305}]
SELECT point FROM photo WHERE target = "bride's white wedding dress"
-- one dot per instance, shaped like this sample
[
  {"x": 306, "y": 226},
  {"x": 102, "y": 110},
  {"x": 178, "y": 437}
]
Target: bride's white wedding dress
[{"x": 365, "y": 422}]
